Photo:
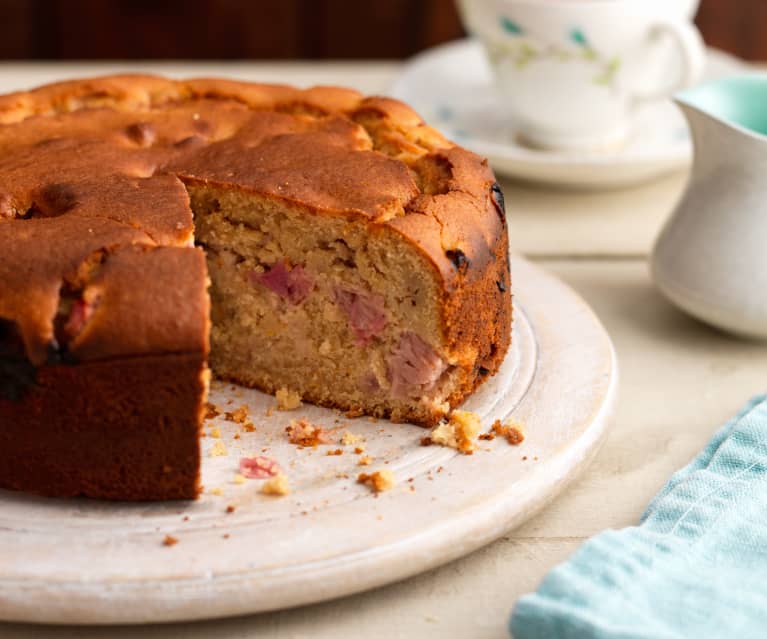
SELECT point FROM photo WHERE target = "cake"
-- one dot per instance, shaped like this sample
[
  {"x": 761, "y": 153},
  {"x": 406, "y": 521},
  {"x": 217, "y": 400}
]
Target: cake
[{"x": 315, "y": 242}]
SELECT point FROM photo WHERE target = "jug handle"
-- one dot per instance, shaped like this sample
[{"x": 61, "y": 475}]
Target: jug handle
[{"x": 692, "y": 51}]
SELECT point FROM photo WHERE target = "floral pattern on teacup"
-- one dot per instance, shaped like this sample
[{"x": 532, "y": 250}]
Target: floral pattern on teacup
[{"x": 522, "y": 50}]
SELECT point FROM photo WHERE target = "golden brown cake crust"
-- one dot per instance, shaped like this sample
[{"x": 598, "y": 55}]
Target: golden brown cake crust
[{"x": 96, "y": 256}]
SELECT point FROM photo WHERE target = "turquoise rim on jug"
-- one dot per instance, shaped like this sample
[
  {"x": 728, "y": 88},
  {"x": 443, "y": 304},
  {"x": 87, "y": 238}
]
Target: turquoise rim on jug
[{"x": 739, "y": 100}]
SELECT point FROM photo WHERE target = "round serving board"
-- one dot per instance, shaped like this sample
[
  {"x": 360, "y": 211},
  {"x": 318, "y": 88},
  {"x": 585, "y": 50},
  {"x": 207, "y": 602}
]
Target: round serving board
[{"x": 81, "y": 561}]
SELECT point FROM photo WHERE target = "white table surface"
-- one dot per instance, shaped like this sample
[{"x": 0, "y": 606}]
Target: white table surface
[{"x": 680, "y": 381}]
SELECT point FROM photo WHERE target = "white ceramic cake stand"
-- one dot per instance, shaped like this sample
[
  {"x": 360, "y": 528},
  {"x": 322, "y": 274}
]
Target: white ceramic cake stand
[{"x": 79, "y": 561}]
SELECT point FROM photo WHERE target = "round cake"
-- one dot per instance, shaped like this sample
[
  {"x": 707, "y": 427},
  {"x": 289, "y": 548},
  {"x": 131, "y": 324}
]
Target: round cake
[{"x": 316, "y": 242}]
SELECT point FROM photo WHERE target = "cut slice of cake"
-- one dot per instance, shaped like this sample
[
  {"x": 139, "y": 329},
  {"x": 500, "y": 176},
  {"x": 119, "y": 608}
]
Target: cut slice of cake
[{"x": 369, "y": 281}]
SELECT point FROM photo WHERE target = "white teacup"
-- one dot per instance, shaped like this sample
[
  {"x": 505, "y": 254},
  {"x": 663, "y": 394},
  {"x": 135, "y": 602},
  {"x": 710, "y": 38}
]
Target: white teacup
[{"x": 573, "y": 72}]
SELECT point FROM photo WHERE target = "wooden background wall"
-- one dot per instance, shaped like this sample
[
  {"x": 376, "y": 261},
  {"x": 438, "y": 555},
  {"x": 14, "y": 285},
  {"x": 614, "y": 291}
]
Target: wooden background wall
[{"x": 134, "y": 29}]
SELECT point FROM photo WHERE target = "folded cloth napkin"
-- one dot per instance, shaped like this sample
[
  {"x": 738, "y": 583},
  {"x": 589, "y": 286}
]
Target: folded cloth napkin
[{"x": 694, "y": 568}]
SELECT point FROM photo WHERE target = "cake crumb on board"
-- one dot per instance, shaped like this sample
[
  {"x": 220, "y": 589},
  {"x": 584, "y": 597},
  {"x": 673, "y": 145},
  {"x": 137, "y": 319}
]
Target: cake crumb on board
[
  {"x": 238, "y": 416},
  {"x": 302, "y": 432},
  {"x": 211, "y": 411},
  {"x": 169, "y": 540},
  {"x": 378, "y": 481},
  {"x": 459, "y": 432},
  {"x": 276, "y": 486},
  {"x": 218, "y": 449},
  {"x": 513, "y": 432},
  {"x": 287, "y": 399},
  {"x": 350, "y": 439}
]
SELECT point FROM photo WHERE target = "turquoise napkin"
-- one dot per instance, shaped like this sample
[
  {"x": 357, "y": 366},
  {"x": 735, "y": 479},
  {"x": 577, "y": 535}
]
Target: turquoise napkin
[{"x": 694, "y": 568}]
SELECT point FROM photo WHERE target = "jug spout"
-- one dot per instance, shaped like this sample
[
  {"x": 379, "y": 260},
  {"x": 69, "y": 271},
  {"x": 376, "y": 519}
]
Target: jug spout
[{"x": 728, "y": 120}]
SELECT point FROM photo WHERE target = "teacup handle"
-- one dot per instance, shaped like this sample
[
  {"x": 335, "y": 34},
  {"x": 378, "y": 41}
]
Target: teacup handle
[{"x": 690, "y": 46}]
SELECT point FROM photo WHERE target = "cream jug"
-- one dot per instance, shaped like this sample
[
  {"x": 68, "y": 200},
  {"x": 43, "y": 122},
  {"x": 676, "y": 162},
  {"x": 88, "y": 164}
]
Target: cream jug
[{"x": 711, "y": 257}]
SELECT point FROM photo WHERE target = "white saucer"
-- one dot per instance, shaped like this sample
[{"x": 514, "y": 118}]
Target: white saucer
[
  {"x": 78, "y": 561},
  {"x": 451, "y": 87}
]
